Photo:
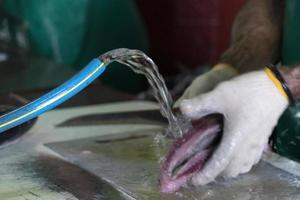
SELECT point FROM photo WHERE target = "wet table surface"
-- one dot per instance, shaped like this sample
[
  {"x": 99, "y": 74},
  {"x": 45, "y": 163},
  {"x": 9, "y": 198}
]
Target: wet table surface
[
  {"x": 29, "y": 170},
  {"x": 129, "y": 162},
  {"x": 118, "y": 162}
]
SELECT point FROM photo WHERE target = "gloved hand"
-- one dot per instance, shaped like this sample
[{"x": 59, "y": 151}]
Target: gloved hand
[
  {"x": 251, "y": 105},
  {"x": 208, "y": 81}
]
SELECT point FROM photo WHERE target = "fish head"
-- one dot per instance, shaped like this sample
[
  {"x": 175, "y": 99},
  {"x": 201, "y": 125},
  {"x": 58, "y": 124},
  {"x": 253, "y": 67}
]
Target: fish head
[{"x": 189, "y": 153}]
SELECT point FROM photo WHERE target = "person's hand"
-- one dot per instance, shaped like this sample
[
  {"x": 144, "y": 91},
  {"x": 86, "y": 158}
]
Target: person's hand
[
  {"x": 251, "y": 105},
  {"x": 208, "y": 81}
]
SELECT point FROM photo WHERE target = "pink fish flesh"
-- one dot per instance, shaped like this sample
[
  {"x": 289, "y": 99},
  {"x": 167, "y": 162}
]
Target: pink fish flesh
[{"x": 189, "y": 153}]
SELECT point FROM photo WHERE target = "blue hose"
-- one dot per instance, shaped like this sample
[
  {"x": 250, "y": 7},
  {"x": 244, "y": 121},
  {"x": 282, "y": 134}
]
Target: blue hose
[{"x": 54, "y": 98}]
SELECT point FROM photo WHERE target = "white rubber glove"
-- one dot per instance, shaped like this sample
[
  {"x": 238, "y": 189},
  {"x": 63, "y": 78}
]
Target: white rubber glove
[
  {"x": 208, "y": 81},
  {"x": 251, "y": 105}
]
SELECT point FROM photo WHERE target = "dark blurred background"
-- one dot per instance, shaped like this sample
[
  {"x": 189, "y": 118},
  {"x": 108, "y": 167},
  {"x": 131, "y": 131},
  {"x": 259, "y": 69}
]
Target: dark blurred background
[{"x": 43, "y": 43}]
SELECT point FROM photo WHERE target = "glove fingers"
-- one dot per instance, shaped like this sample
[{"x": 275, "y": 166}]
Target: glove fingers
[
  {"x": 220, "y": 158},
  {"x": 203, "y": 84},
  {"x": 184, "y": 96},
  {"x": 193, "y": 90},
  {"x": 200, "y": 106},
  {"x": 253, "y": 145},
  {"x": 242, "y": 164}
]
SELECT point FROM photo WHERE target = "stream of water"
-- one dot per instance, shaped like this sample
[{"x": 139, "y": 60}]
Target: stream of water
[{"x": 142, "y": 64}]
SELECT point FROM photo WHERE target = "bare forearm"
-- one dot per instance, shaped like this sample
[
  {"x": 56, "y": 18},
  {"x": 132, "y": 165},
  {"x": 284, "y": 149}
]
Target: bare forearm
[
  {"x": 256, "y": 35},
  {"x": 292, "y": 78}
]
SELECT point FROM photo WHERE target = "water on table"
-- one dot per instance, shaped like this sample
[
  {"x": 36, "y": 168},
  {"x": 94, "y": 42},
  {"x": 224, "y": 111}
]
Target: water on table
[
  {"x": 142, "y": 64},
  {"x": 130, "y": 164}
]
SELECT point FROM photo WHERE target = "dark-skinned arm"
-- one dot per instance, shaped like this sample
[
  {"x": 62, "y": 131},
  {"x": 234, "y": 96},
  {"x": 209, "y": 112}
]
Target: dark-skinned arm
[{"x": 256, "y": 35}]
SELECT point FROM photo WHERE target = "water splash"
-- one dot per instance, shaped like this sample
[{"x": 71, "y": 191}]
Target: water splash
[{"x": 142, "y": 64}]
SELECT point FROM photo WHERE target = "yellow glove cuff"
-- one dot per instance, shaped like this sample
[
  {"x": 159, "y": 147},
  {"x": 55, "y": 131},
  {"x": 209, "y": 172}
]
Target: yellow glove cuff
[{"x": 276, "y": 82}]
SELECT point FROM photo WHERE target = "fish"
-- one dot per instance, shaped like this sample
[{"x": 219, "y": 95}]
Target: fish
[
  {"x": 189, "y": 153},
  {"x": 12, "y": 136}
]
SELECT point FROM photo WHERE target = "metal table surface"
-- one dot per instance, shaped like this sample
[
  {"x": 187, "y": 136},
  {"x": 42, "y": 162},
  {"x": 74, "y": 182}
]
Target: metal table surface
[
  {"x": 130, "y": 163},
  {"x": 29, "y": 170},
  {"x": 117, "y": 162}
]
